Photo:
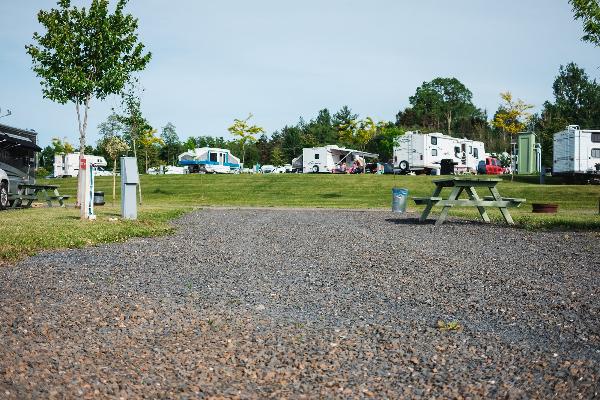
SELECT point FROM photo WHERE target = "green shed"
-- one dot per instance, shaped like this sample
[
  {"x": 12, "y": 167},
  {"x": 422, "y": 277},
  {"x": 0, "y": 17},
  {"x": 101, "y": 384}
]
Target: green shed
[{"x": 526, "y": 163}]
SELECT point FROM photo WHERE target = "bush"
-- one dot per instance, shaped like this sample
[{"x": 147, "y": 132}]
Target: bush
[{"x": 41, "y": 172}]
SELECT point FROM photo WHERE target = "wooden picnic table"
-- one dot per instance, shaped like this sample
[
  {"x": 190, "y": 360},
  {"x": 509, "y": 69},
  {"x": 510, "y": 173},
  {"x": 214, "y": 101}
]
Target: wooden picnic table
[
  {"x": 40, "y": 192},
  {"x": 468, "y": 185}
]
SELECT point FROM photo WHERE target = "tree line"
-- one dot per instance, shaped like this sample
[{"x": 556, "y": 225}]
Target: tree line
[{"x": 442, "y": 105}]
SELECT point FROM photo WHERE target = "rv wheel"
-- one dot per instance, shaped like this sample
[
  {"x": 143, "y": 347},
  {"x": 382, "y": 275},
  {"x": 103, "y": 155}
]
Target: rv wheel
[
  {"x": 315, "y": 168},
  {"x": 403, "y": 166},
  {"x": 3, "y": 196}
]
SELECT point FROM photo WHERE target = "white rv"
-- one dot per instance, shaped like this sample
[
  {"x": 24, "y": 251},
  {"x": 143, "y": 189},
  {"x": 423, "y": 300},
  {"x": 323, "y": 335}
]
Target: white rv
[
  {"x": 576, "y": 151},
  {"x": 424, "y": 152},
  {"x": 328, "y": 158},
  {"x": 67, "y": 165},
  {"x": 211, "y": 160}
]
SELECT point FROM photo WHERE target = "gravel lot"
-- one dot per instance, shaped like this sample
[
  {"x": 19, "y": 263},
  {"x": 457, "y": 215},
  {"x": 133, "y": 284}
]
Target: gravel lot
[{"x": 313, "y": 303}]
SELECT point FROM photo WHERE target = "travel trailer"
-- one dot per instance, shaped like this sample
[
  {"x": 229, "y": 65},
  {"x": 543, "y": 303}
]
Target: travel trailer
[
  {"x": 210, "y": 160},
  {"x": 424, "y": 152},
  {"x": 576, "y": 152},
  {"x": 328, "y": 158},
  {"x": 18, "y": 160},
  {"x": 67, "y": 165}
]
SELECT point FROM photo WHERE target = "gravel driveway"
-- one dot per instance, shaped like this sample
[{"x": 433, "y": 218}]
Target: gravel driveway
[{"x": 312, "y": 303}]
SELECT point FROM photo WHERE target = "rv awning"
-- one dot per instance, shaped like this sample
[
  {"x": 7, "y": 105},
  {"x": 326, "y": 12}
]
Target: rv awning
[
  {"x": 355, "y": 152},
  {"x": 7, "y": 140}
]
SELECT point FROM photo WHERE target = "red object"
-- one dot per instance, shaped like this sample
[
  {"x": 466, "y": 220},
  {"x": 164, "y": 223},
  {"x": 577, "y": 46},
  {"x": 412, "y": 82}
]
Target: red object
[
  {"x": 546, "y": 208},
  {"x": 83, "y": 163},
  {"x": 493, "y": 166}
]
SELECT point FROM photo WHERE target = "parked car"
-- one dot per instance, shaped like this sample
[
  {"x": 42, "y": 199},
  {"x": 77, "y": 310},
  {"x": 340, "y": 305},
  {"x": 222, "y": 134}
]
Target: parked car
[
  {"x": 267, "y": 169},
  {"x": 175, "y": 170},
  {"x": 102, "y": 172},
  {"x": 491, "y": 166},
  {"x": 284, "y": 169}
]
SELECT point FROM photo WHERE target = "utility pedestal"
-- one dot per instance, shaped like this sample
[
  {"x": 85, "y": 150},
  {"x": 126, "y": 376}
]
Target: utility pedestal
[
  {"x": 129, "y": 181},
  {"x": 86, "y": 188}
]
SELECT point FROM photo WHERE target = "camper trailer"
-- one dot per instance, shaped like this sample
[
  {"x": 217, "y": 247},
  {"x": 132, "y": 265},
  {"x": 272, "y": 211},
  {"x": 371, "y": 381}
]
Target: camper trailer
[
  {"x": 424, "y": 152},
  {"x": 576, "y": 152},
  {"x": 67, "y": 165},
  {"x": 210, "y": 160},
  {"x": 18, "y": 160},
  {"x": 329, "y": 158}
]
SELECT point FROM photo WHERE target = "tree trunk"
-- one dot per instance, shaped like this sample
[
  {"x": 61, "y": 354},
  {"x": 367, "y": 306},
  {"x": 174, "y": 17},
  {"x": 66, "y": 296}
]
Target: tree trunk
[
  {"x": 140, "y": 183},
  {"x": 243, "y": 154},
  {"x": 449, "y": 122},
  {"x": 82, "y": 131}
]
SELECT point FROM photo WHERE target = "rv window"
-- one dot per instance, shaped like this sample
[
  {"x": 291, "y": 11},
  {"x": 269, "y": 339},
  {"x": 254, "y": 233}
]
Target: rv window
[
  {"x": 434, "y": 140},
  {"x": 470, "y": 149},
  {"x": 476, "y": 152},
  {"x": 434, "y": 152},
  {"x": 595, "y": 137},
  {"x": 457, "y": 150},
  {"x": 317, "y": 156},
  {"x": 595, "y": 153},
  {"x": 213, "y": 157}
]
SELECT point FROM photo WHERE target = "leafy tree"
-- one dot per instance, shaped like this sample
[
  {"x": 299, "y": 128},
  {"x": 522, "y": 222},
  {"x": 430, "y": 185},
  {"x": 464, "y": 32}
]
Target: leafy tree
[
  {"x": 343, "y": 117},
  {"x": 577, "y": 98},
  {"x": 291, "y": 142},
  {"x": 149, "y": 143},
  {"x": 359, "y": 133},
  {"x": 245, "y": 133},
  {"x": 190, "y": 144},
  {"x": 442, "y": 99},
  {"x": 322, "y": 129},
  {"x": 113, "y": 126},
  {"x": 589, "y": 12},
  {"x": 86, "y": 54},
  {"x": 134, "y": 122},
  {"x": 277, "y": 157},
  {"x": 171, "y": 141},
  {"x": 114, "y": 146},
  {"x": 47, "y": 157},
  {"x": 62, "y": 146},
  {"x": 383, "y": 142},
  {"x": 512, "y": 117},
  {"x": 576, "y": 101},
  {"x": 263, "y": 147}
]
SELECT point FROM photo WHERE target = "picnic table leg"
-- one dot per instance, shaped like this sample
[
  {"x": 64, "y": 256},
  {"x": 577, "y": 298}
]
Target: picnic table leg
[
  {"x": 453, "y": 196},
  {"x": 503, "y": 210},
  {"x": 474, "y": 196},
  {"x": 427, "y": 209},
  {"x": 60, "y": 199},
  {"x": 48, "y": 200},
  {"x": 17, "y": 202}
]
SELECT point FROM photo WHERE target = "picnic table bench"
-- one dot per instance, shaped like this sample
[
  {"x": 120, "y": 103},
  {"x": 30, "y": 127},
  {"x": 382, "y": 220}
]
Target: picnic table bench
[
  {"x": 468, "y": 185},
  {"x": 40, "y": 192}
]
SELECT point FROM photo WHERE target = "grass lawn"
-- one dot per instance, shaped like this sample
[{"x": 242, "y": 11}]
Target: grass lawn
[{"x": 25, "y": 232}]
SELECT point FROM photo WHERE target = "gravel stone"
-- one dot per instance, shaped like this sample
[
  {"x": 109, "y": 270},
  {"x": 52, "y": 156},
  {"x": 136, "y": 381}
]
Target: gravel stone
[{"x": 248, "y": 303}]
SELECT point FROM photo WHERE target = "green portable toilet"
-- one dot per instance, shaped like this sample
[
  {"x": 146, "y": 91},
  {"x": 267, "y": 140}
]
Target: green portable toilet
[{"x": 526, "y": 163}]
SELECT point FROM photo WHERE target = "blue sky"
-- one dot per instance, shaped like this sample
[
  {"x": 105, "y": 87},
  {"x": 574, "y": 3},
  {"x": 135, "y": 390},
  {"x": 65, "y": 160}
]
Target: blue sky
[{"x": 216, "y": 61}]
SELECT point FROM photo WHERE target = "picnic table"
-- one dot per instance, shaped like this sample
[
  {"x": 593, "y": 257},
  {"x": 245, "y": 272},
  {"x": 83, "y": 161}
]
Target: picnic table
[
  {"x": 468, "y": 185},
  {"x": 40, "y": 192}
]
